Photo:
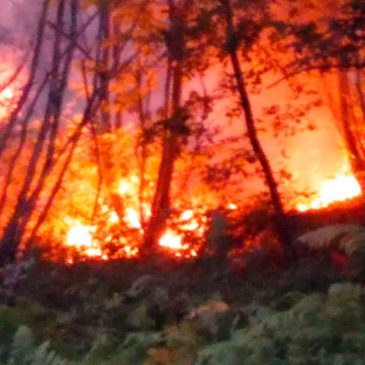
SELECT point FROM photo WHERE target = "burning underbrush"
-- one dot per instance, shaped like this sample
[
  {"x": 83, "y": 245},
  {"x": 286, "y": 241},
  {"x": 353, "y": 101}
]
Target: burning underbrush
[
  {"x": 112, "y": 237},
  {"x": 342, "y": 187},
  {"x": 110, "y": 223},
  {"x": 103, "y": 209},
  {"x": 106, "y": 218}
]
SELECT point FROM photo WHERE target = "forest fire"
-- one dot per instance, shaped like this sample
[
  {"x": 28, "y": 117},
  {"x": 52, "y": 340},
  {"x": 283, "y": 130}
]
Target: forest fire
[
  {"x": 182, "y": 182},
  {"x": 176, "y": 238},
  {"x": 103, "y": 148},
  {"x": 342, "y": 187},
  {"x": 84, "y": 240},
  {"x": 81, "y": 237}
]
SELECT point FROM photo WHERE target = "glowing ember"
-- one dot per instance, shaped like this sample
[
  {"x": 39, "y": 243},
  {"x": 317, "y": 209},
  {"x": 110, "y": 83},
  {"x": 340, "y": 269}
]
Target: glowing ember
[
  {"x": 6, "y": 94},
  {"x": 125, "y": 187},
  {"x": 80, "y": 235},
  {"x": 193, "y": 253},
  {"x": 132, "y": 218},
  {"x": 92, "y": 241},
  {"x": 171, "y": 240},
  {"x": 113, "y": 218},
  {"x": 343, "y": 187},
  {"x": 130, "y": 252},
  {"x": 232, "y": 206},
  {"x": 95, "y": 252},
  {"x": 174, "y": 241},
  {"x": 187, "y": 215}
]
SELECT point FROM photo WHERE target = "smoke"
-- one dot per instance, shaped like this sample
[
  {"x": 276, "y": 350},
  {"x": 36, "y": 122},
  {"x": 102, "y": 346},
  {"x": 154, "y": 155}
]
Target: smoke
[
  {"x": 17, "y": 22},
  {"x": 312, "y": 155}
]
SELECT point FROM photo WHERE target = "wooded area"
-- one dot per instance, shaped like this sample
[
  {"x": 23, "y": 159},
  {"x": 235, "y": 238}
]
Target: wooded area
[{"x": 181, "y": 182}]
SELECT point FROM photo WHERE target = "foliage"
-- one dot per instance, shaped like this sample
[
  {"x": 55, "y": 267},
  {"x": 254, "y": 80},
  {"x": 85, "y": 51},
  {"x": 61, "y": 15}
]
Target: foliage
[
  {"x": 124, "y": 182},
  {"x": 23, "y": 351},
  {"x": 346, "y": 236},
  {"x": 264, "y": 320},
  {"x": 330, "y": 40},
  {"x": 288, "y": 317},
  {"x": 345, "y": 239},
  {"x": 316, "y": 328}
]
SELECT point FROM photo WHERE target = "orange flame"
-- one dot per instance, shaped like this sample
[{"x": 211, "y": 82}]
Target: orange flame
[
  {"x": 83, "y": 238},
  {"x": 342, "y": 187},
  {"x": 132, "y": 218},
  {"x": 180, "y": 236},
  {"x": 80, "y": 236},
  {"x": 171, "y": 240}
]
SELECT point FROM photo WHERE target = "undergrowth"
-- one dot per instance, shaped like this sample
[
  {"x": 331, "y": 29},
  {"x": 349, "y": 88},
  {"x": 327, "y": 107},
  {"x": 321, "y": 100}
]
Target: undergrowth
[
  {"x": 316, "y": 328},
  {"x": 311, "y": 313}
]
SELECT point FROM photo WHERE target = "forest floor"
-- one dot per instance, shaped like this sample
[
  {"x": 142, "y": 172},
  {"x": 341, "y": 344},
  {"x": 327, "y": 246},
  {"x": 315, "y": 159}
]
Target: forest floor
[{"x": 202, "y": 312}]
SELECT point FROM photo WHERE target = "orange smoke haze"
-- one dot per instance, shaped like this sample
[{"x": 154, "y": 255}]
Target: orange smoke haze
[
  {"x": 6, "y": 97},
  {"x": 342, "y": 187},
  {"x": 314, "y": 158}
]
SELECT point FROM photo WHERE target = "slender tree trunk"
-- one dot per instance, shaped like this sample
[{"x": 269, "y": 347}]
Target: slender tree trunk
[
  {"x": 280, "y": 217},
  {"x": 33, "y": 182},
  {"x": 70, "y": 146},
  {"x": 44, "y": 155},
  {"x": 107, "y": 60},
  {"x": 161, "y": 202},
  {"x": 105, "y": 125},
  {"x": 360, "y": 92},
  {"x": 348, "y": 122},
  {"x": 37, "y": 51},
  {"x": 109, "y": 64},
  {"x": 141, "y": 148},
  {"x": 171, "y": 142},
  {"x": 21, "y": 144}
]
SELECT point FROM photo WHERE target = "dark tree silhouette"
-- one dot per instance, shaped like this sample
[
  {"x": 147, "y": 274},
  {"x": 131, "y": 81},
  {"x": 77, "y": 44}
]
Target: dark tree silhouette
[{"x": 232, "y": 49}]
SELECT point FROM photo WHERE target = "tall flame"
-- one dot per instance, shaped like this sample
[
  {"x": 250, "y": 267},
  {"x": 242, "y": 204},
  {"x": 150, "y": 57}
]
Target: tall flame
[{"x": 83, "y": 238}]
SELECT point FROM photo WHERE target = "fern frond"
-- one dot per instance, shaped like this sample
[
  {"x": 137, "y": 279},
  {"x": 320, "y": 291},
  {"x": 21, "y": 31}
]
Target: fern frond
[
  {"x": 23, "y": 351},
  {"x": 346, "y": 236},
  {"x": 345, "y": 291},
  {"x": 21, "y": 347}
]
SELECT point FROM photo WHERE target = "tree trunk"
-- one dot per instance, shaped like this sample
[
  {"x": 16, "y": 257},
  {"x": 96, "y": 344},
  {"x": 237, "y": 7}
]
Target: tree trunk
[
  {"x": 104, "y": 68},
  {"x": 45, "y": 144},
  {"x": 161, "y": 203},
  {"x": 348, "y": 122},
  {"x": 280, "y": 219},
  {"x": 160, "y": 209}
]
